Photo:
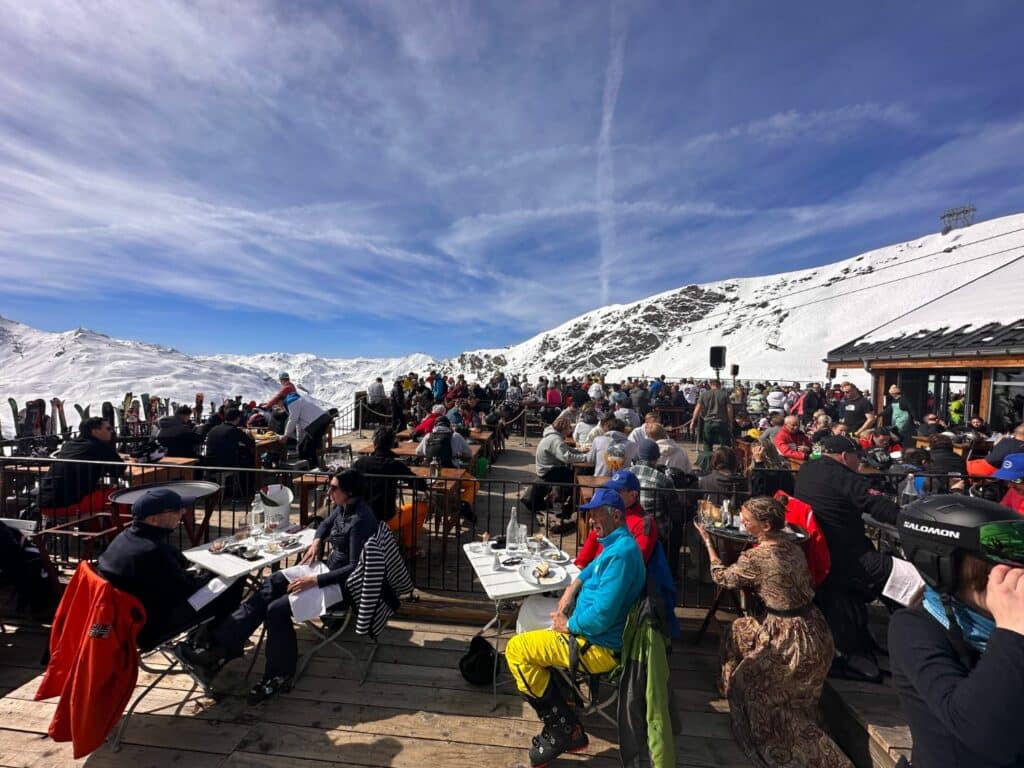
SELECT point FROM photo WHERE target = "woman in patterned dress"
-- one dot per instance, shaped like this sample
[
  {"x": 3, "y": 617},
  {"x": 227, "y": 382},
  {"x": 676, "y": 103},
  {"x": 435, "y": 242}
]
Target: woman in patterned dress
[{"x": 773, "y": 669}]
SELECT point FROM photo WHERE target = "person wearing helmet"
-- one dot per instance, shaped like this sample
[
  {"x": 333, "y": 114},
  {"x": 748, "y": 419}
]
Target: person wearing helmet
[
  {"x": 958, "y": 656},
  {"x": 287, "y": 388}
]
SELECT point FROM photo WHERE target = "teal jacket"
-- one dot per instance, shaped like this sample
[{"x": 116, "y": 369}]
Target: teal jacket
[{"x": 611, "y": 584}]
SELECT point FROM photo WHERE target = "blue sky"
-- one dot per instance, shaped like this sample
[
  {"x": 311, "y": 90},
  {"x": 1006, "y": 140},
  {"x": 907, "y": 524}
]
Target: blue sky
[{"x": 377, "y": 178}]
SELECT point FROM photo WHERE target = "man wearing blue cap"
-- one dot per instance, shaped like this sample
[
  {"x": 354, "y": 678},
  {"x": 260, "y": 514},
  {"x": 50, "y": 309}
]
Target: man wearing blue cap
[
  {"x": 641, "y": 525},
  {"x": 1012, "y": 471},
  {"x": 142, "y": 563},
  {"x": 307, "y": 423},
  {"x": 603, "y": 594}
]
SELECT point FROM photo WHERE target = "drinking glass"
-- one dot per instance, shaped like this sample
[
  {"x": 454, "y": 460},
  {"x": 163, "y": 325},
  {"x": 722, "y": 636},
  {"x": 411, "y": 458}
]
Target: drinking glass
[
  {"x": 258, "y": 519},
  {"x": 533, "y": 546}
]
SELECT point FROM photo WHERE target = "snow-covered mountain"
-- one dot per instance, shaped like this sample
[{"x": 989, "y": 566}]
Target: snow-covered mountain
[
  {"x": 86, "y": 367},
  {"x": 329, "y": 379},
  {"x": 775, "y": 327},
  {"x": 778, "y": 326}
]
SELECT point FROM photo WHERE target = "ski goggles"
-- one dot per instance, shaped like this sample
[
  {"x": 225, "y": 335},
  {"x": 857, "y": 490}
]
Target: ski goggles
[{"x": 1003, "y": 542}]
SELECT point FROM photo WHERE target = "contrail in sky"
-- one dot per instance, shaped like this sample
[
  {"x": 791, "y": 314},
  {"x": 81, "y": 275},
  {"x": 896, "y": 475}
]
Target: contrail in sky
[{"x": 605, "y": 166}]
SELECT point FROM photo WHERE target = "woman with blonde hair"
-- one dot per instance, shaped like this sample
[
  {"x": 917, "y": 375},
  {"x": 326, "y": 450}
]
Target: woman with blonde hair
[{"x": 774, "y": 667}]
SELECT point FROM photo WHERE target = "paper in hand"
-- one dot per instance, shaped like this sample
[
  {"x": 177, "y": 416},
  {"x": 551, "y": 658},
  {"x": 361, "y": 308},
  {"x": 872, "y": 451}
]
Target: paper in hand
[{"x": 905, "y": 584}]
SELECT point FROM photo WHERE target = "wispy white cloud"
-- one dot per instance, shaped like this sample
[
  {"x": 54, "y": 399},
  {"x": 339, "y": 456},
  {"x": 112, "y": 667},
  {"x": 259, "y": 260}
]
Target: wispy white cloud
[
  {"x": 605, "y": 191},
  {"x": 817, "y": 125},
  {"x": 429, "y": 163}
]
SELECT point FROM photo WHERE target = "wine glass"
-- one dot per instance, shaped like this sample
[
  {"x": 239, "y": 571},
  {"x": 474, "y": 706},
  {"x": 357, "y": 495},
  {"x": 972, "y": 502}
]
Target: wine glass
[{"x": 533, "y": 546}]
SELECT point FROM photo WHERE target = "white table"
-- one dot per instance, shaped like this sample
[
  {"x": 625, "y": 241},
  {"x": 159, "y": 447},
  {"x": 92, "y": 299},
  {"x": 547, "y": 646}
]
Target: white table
[
  {"x": 231, "y": 567},
  {"x": 504, "y": 585}
]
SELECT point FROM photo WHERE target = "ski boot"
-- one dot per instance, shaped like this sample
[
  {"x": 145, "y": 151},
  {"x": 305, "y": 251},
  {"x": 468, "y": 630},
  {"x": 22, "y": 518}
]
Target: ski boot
[{"x": 562, "y": 730}]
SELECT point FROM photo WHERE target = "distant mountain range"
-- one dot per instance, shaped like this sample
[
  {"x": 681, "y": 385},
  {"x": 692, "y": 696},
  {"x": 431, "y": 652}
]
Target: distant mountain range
[{"x": 774, "y": 327}]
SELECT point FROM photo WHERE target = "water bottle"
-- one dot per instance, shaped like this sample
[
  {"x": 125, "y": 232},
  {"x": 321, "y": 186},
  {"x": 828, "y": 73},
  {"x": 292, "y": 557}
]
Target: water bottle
[
  {"x": 435, "y": 467},
  {"x": 909, "y": 494},
  {"x": 512, "y": 533},
  {"x": 727, "y": 519},
  {"x": 257, "y": 516}
]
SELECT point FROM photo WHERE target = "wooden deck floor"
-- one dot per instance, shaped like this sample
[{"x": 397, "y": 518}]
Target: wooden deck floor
[{"x": 414, "y": 711}]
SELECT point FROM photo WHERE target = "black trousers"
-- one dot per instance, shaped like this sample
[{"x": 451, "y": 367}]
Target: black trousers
[
  {"x": 844, "y": 596},
  {"x": 268, "y": 605},
  {"x": 182, "y": 616},
  {"x": 310, "y": 443}
]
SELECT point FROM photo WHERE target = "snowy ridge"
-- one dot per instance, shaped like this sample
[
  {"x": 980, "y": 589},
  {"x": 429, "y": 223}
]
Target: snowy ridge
[
  {"x": 329, "y": 379},
  {"x": 86, "y": 367},
  {"x": 779, "y": 326},
  {"x": 775, "y": 327}
]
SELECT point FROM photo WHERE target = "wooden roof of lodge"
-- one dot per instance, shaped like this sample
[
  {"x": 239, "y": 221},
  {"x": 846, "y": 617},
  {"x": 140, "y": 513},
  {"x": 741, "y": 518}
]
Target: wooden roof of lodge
[{"x": 965, "y": 341}]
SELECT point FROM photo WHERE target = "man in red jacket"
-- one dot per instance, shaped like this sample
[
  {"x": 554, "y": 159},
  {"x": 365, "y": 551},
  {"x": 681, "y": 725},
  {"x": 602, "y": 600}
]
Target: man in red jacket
[
  {"x": 640, "y": 524},
  {"x": 792, "y": 441},
  {"x": 287, "y": 388}
]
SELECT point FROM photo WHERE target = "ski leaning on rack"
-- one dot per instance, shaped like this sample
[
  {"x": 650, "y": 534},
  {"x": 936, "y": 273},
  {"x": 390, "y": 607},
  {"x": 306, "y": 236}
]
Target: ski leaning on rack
[
  {"x": 144, "y": 413},
  {"x": 83, "y": 413},
  {"x": 14, "y": 410},
  {"x": 58, "y": 407},
  {"x": 108, "y": 412},
  {"x": 51, "y": 428},
  {"x": 198, "y": 414}
]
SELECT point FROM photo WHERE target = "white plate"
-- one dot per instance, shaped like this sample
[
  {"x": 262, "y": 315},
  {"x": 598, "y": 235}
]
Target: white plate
[
  {"x": 556, "y": 575},
  {"x": 555, "y": 556}
]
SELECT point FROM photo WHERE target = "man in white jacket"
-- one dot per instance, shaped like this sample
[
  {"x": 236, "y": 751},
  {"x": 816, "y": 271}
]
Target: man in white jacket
[{"x": 307, "y": 423}]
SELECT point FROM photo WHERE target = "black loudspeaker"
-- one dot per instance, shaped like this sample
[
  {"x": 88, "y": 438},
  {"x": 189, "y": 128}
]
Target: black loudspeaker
[
  {"x": 718, "y": 358},
  {"x": 734, "y": 371}
]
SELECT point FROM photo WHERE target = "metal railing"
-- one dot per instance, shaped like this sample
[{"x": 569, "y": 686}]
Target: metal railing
[{"x": 436, "y": 516}]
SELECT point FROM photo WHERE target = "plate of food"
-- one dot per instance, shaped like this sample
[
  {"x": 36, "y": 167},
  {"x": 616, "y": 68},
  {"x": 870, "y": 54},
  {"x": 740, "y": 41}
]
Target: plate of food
[
  {"x": 220, "y": 546},
  {"x": 554, "y": 556},
  {"x": 543, "y": 574}
]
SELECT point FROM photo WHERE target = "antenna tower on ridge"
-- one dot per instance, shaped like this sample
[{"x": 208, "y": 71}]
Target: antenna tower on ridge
[{"x": 961, "y": 216}]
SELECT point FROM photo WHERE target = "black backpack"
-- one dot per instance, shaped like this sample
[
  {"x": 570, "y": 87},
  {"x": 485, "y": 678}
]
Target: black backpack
[{"x": 439, "y": 446}]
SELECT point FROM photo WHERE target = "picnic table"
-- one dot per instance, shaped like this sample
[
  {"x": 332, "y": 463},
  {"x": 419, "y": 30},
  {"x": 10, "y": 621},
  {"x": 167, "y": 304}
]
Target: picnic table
[
  {"x": 446, "y": 488},
  {"x": 585, "y": 487},
  {"x": 265, "y": 442},
  {"x": 169, "y": 468},
  {"x": 13, "y": 476},
  {"x": 405, "y": 450},
  {"x": 960, "y": 449}
]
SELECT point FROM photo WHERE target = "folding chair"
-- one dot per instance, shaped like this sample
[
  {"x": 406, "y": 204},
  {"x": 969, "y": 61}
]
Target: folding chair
[
  {"x": 387, "y": 566},
  {"x": 171, "y": 665},
  {"x": 380, "y": 564},
  {"x": 591, "y": 692}
]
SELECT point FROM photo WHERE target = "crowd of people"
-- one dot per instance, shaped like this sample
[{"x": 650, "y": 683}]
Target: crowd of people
[{"x": 956, "y": 644}]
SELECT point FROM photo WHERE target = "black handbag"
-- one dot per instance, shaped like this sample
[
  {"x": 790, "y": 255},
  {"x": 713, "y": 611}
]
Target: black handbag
[{"x": 477, "y": 666}]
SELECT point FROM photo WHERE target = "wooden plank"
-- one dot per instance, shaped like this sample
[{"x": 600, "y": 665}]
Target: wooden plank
[
  {"x": 164, "y": 730},
  {"x": 418, "y": 724},
  {"x": 365, "y": 749},
  {"x": 26, "y": 750},
  {"x": 254, "y": 760}
]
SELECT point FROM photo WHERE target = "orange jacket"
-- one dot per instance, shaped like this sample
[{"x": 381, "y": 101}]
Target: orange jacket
[{"x": 93, "y": 659}]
